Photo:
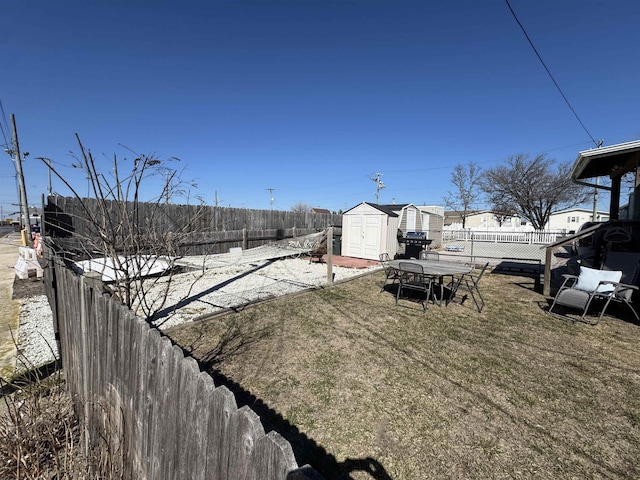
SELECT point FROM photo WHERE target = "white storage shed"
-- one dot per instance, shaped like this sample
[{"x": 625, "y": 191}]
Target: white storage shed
[{"x": 369, "y": 230}]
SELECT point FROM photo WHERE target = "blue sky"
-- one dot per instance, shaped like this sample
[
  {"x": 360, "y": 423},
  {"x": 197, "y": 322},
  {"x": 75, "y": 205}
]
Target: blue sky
[{"x": 311, "y": 98}]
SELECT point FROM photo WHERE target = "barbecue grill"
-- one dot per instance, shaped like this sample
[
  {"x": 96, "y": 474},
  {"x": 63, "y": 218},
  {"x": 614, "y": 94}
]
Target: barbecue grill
[{"x": 414, "y": 243}]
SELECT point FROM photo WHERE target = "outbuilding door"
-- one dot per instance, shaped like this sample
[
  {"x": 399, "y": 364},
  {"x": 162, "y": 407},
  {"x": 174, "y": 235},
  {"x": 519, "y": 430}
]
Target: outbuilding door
[{"x": 364, "y": 236}]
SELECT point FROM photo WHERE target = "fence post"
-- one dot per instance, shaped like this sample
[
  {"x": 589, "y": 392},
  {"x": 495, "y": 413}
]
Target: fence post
[
  {"x": 245, "y": 242},
  {"x": 55, "y": 293},
  {"x": 330, "y": 256},
  {"x": 546, "y": 286},
  {"x": 88, "y": 282}
]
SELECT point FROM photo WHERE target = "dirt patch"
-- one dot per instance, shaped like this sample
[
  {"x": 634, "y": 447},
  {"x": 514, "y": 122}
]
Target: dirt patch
[{"x": 28, "y": 288}]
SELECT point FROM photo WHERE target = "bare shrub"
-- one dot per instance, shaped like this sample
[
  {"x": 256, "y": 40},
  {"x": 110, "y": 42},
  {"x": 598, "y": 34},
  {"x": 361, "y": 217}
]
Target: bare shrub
[
  {"x": 128, "y": 227},
  {"x": 39, "y": 434},
  {"x": 41, "y": 437}
]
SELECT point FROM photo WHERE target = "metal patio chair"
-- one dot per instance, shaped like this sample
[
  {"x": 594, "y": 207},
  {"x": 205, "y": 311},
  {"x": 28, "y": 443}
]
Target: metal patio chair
[
  {"x": 616, "y": 281},
  {"x": 413, "y": 278},
  {"x": 468, "y": 283},
  {"x": 391, "y": 274},
  {"x": 429, "y": 255}
]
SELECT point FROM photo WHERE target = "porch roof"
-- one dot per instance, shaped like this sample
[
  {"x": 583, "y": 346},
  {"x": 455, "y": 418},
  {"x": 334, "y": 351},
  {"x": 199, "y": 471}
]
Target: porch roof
[{"x": 612, "y": 161}]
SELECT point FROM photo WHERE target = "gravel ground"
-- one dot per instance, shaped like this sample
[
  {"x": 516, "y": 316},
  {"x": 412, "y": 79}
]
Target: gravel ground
[
  {"x": 203, "y": 292},
  {"x": 36, "y": 339},
  {"x": 221, "y": 282}
]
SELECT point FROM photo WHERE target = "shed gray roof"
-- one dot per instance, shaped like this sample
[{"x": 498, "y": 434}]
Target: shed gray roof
[{"x": 382, "y": 208}]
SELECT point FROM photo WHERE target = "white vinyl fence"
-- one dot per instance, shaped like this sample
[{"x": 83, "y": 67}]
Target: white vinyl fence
[{"x": 542, "y": 237}]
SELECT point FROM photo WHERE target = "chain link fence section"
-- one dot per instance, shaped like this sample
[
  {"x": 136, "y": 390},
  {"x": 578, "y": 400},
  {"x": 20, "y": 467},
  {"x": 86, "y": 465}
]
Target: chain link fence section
[{"x": 519, "y": 250}]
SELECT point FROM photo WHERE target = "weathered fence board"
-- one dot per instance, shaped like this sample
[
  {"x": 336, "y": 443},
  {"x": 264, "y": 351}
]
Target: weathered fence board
[
  {"x": 244, "y": 431},
  {"x": 157, "y": 358},
  {"x": 186, "y": 437},
  {"x": 198, "y": 454},
  {"x": 272, "y": 457},
  {"x": 223, "y": 405},
  {"x": 140, "y": 361}
]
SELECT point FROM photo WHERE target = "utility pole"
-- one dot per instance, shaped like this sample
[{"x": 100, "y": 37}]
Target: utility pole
[
  {"x": 48, "y": 162},
  {"x": 271, "y": 190},
  {"x": 379, "y": 185},
  {"x": 24, "y": 206}
]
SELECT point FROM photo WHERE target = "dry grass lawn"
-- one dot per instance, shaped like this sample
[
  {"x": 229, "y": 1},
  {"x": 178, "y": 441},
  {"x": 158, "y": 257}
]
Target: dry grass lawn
[{"x": 364, "y": 388}]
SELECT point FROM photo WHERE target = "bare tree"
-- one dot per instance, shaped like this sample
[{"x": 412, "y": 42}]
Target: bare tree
[
  {"x": 534, "y": 187},
  {"x": 301, "y": 207},
  {"x": 503, "y": 209},
  {"x": 130, "y": 236},
  {"x": 466, "y": 180}
]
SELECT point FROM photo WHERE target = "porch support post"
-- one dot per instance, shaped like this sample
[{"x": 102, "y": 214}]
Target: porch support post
[{"x": 614, "y": 206}]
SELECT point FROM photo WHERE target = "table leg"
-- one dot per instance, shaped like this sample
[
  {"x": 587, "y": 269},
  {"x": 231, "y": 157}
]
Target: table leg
[{"x": 438, "y": 299}]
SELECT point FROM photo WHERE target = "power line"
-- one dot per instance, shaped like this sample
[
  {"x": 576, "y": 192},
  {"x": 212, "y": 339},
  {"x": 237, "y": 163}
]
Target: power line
[
  {"x": 379, "y": 185},
  {"x": 549, "y": 73},
  {"x": 3, "y": 125}
]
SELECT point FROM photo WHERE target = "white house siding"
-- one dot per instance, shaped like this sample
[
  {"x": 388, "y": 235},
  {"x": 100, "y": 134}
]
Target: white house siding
[
  {"x": 436, "y": 210},
  {"x": 432, "y": 224},
  {"x": 571, "y": 220}
]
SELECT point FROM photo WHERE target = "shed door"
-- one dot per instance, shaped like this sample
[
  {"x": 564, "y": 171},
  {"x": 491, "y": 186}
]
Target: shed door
[
  {"x": 364, "y": 236},
  {"x": 355, "y": 247},
  {"x": 372, "y": 237}
]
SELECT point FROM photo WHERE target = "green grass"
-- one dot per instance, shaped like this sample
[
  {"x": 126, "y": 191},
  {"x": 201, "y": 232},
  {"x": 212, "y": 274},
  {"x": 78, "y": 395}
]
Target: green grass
[{"x": 450, "y": 393}]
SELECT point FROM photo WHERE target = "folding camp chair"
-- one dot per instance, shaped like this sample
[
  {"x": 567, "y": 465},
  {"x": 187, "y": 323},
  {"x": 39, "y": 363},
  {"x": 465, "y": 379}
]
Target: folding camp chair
[
  {"x": 606, "y": 285},
  {"x": 468, "y": 283}
]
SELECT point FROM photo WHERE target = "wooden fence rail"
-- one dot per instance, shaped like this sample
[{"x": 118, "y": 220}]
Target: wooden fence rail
[{"x": 150, "y": 411}]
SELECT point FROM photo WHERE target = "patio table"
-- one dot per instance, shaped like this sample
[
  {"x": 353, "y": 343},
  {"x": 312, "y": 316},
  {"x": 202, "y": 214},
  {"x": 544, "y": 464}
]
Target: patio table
[{"x": 437, "y": 269}]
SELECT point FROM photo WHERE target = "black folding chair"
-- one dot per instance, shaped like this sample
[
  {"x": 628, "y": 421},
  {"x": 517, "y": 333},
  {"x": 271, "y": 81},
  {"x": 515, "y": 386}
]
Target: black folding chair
[{"x": 413, "y": 278}]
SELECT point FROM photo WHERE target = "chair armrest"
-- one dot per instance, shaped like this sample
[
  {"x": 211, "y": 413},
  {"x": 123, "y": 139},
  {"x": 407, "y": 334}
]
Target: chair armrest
[
  {"x": 620, "y": 290},
  {"x": 569, "y": 280},
  {"x": 620, "y": 286}
]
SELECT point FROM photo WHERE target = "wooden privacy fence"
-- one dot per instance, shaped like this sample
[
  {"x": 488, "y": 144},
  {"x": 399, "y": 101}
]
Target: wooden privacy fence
[
  {"x": 148, "y": 408},
  {"x": 202, "y": 229}
]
